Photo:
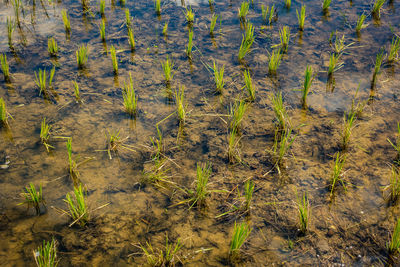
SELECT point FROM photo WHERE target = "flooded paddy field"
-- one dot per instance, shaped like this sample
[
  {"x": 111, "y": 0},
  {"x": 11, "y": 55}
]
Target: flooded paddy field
[{"x": 156, "y": 142}]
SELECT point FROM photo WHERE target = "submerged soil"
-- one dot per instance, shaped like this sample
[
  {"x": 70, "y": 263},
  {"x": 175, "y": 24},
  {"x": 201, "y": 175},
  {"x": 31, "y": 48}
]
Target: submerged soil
[{"x": 351, "y": 229}]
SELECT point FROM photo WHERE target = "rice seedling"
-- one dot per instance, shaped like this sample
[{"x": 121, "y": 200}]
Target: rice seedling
[
  {"x": 284, "y": 36},
  {"x": 213, "y": 22},
  {"x": 282, "y": 143},
  {"x": 303, "y": 207},
  {"x": 301, "y": 17},
  {"x": 233, "y": 147},
  {"x": 166, "y": 257},
  {"x": 247, "y": 41},
  {"x": 65, "y": 18},
  {"x": 33, "y": 197},
  {"x": 236, "y": 113},
  {"x": 131, "y": 39},
  {"x": 114, "y": 59},
  {"x": 168, "y": 66},
  {"x": 189, "y": 16},
  {"x": 17, "y": 4},
  {"x": 114, "y": 143},
  {"x": 102, "y": 7},
  {"x": 181, "y": 105},
  {"x": 201, "y": 193},
  {"x": 334, "y": 64},
  {"x": 248, "y": 194},
  {"x": 394, "y": 185},
  {"x": 219, "y": 77},
  {"x": 264, "y": 12},
  {"x": 82, "y": 56},
  {"x": 240, "y": 233},
  {"x": 251, "y": 90},
  {"x": 376, "y": 8},
  {"x": 288, "y": 3},
  {"x": 130, "y": 98},
  {"x": 41, "y": 80},
  {"x": 396, "y": 146},
  {"x": 76, "y": 92},
  {"x": 393, "y": 246},
  {"x": 3, "y": 113},
  {"x": 308, "y": 79},
  {"x": 128, "y": 21},
  {"x": 274, "y": 61},
  {"x": 243, "y": 10},
  {"x": 78, "y": 209},
  {"x": 348, "y": 122},
  {"x": 10, "y": 30},
  {"x": 190, "y": 44},
  {"x": 165, "y": 29},
  {"x": 46, "y": 254},
  {"x": 272, "y": 15},
  {"x": 360, "y": 23},
  {"x": 394, "y": 48},
  {"x": 157, "y": 5},
  {"x": 325, "y": 6},
  {"x": 378, "y": 63},
  {"x": 102, "y": 29},
  {"x": 5, "y": 68},
  {"x": 337, "y": 176},
  {"x": 340, "y": 46},
  {"x": 281, "y": 117},
  {"x": 45, "y": 134},
  {"x": 52, "y": 47},
  {"x": 158, "y": 145},
  {"x": 158, "y": 175},
  {"x": 72, "y": 165}
]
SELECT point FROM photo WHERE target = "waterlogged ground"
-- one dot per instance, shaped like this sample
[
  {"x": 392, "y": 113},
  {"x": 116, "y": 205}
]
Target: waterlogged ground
[{"x": 353, "y": 229}]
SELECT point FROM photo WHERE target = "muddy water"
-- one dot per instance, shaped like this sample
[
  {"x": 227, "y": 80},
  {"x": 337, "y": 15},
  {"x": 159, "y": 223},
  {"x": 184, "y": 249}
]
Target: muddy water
[{"x": 351, "y": 230}]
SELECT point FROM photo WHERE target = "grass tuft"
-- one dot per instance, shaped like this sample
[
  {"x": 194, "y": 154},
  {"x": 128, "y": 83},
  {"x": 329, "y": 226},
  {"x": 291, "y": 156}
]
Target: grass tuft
[
  {"x": 378, "y": 63},
  {"x": 52, "y": 47},
  {"x": 46, "y": 254},
  {"x": 303, "y": 207},
  {"x": 76, "y": 92},
  {"x": 78, "y": 209},
  {"x": 168, "y": 66},
  {"x": 189, "y": 16},
  {"x": 308, "y": 79},
  {"x": 243, "y": 10},
  {"x": 33, "y": 197},
  {"x": 251, "y": 90},
  {"x": 82, "y": 56},
  {"x": 45, "y": 134},
  {"x": 130, "y": 98},
  {"x": 337, "y": 175},
  {"x": 376, "y": 8},
  {"x": 65, "y": 18},
  {"x": 274, "y": 61},
  {"x": 166, "y": 257},
  {"x": 247, "y": 41},
  {"x": 41, "y": 80},
  {"x": 301, "y": 17},
  {"x": 281, "y": 117},
  {"x": 10, "y": 30},
  {"x": 157, "y": 5},
  {"x": 236, "y": 113},
  {"x": 102, "y": 7},
  {"x": 219, "y": 77},
  {"x": 325, "y": 6},
  {"x": 3, "y": 113},
  {"x": 102, "y": 29},
  {"x": 181, "y": 105},
  {"x": 360, "y": 23},
  {"x": 131, "y": 39},
  {"x": 114, "y": 60},
  {"x": 233, "y": 147},
  {"x": 283, "y": 141},
  {"x": 213, "y": 23},
  {"x": 393, "y": 246},
  {"x": 190, "y": 44},
  {"x": 240, "y": 233},
  {"x": 394, "y": 48},
  {"x": 5, "y": 68}
]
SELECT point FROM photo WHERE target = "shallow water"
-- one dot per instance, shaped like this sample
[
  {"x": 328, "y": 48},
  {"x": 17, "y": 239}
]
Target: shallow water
[{"x": 351, "y": 230}]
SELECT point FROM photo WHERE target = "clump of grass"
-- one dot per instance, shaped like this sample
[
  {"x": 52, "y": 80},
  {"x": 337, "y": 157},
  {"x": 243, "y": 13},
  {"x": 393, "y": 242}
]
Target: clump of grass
[
  {"x": 340, "y": 46},
  {"x": 168, "y": 66},
  {"x": 65, "y": 18},
  {"x": 247, "y": 41},
  {"x": 397, "y": 145},
  {"x": 233, "y": 147},
  {"x": 219, "y": 77},
  {"x": 165, "y": 29},
  {"x": 114, "y": 59},
  {"x": 157, "y": 5},
  {"x": 102, "y": 7},
  {"x": 394, "y": 48},
  {"x": 42, "y": 82},
  {"x": 378, "y": 63},
  {"x": 181, "y": 105},
  {"x": 325, "y": 6},
  {"x": 283, "y": 141},
  {"x": 78, "y": 209},
  {"x": 240, "y": 233},
  {"x": 281, "y": 116},
  {"x": 45, "y": 134},
  {"x": 251, "y": 90},
  {"x": 213, "y": 23},
  {"x": 360, "y": 23},
  {"x": 190, "y": 44},
  {"x": 301, "y": 17},
  {"x": 243, "y": 10},
  {"x": 10, "y": 30},
  {"x": 272, "y": 15},
  {"x": 131, "y": 39},
  {"x": 128, "y": 21},
  {"x": 393, "y": 246},
  {"x": 5, "y": 68},
  {"x": 288, "y": 3},
  {"x": 130, "y": 98},
  {"x": 158, "y": 145},
  {"x": 236, "y": 113},
  {"x": 264, "y": 12},
  {"x": 348, "y": 121},
  {"x": 376, "y": 9},
  {"x": 203, "y": 172},
  {"x": 102, "y": 29},
  {"x": 337, "y": 176},
  {"x": 3, "y": 113},
  {"x": 158, "y": 174},
  {"x": 166, "y": 257},
  {"x": 189, "y": 16},
  {"x": 114, "y": 142},
  {"x": 52, "y": 47},
  {"x": 284, "y": 36},
  {"x": 394, "y": 185},
  {"x": 76, "y": 91},
  {"x": 82, "y": 56},
  {"x": 46, "y": 254},
  {"x": 274, "y": 61},
  {"x": 248, "y": 194},
  {"x": 72, "y": 165},
  {"x": 303, "y": 207},
  {"x": 33, "y": 197},
  {"x": 308, "y": 79},
  {"x": 334, "y": 65}
]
